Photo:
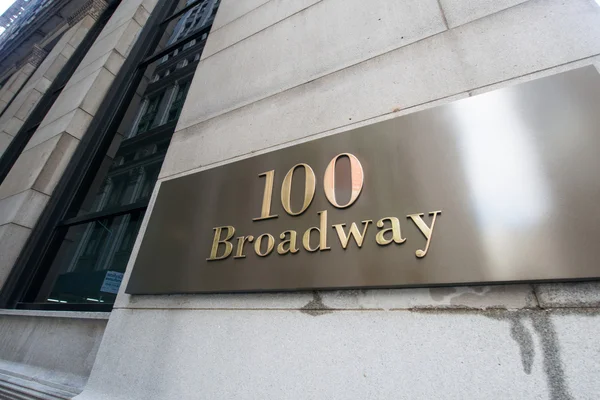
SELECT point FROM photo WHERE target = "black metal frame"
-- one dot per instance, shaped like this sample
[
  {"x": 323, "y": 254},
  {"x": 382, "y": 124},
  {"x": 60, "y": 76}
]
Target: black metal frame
[
  {"x": 33, "y": 121},
  {"x": 31, "y": 268}
]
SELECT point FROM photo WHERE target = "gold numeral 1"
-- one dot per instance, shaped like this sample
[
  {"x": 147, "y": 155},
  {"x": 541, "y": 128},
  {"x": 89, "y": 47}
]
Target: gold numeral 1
[{"x": 265, "y": 212}]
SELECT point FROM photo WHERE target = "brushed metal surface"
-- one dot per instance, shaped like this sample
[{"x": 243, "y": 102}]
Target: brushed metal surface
[{"x": 516, "y": 173}]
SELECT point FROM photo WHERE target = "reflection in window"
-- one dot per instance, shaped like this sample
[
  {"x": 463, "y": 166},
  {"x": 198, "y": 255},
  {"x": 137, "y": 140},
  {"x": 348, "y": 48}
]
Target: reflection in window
[
  {"x": 150, "y": 112},
  {"x": 177, "y": 104}
]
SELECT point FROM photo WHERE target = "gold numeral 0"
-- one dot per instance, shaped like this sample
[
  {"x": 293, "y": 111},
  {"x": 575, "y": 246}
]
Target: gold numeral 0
[{"x": 357, "y": 177}]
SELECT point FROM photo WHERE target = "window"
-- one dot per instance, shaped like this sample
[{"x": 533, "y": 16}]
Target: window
[
  {"x": 77, "y": 257},
  {"x": 177, "y": 104},
  {"x": 150, "y": 117}
]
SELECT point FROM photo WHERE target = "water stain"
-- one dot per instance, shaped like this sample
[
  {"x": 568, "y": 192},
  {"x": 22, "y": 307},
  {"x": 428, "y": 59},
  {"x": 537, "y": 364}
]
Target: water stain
[{"x": 316, "y": 307}]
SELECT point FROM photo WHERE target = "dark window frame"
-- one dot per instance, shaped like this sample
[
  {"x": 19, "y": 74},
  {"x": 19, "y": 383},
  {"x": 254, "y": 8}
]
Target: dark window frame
[{"x": 31, "y": 268}]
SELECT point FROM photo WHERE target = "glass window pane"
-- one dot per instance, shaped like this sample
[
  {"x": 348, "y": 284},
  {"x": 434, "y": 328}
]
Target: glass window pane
[{"x": 91, "y": 261}]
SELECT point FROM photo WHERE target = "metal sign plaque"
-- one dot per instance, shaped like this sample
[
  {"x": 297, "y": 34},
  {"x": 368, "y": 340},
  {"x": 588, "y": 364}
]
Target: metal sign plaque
[{"x": 500, "y": 187}]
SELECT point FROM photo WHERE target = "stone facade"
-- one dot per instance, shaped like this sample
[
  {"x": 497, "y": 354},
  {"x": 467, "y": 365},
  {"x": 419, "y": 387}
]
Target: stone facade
[
  {"x": 276, "y": 73},
  {"x": 306, "y": 69}
]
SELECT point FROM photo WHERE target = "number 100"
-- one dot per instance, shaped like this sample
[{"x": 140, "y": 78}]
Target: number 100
[{"x": 357, "y": 180}]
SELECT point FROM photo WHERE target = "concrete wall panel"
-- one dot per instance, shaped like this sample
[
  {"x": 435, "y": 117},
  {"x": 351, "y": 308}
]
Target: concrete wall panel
[
  {"x": 283, "y": 56},
  {"x": 57, "y": 352},
  {"x": 253, "y": 22}
]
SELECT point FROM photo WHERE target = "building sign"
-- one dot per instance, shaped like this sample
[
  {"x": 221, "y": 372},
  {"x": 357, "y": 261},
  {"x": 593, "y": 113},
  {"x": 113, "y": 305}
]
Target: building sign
[{"x": 499, "y": 187}]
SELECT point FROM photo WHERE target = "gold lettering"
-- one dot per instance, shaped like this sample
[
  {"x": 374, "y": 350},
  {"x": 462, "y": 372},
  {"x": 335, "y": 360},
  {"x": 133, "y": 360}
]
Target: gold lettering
[
  {"x": 292, "y": 247},
  {"x": 265, "y": 212},
  {"x": 239, "y": 252},
  {"x": 358, "y": 237},
  {"x": 425, "y": 230},
  {"x": 270, "y": 244},
  {"x": 309, "y": 189},
  {"x": 357, "y": 178},
  {"x": 217, "y": 240},
  {"x": 322, "y": 229},
  {"x": 395, "y": 229}
]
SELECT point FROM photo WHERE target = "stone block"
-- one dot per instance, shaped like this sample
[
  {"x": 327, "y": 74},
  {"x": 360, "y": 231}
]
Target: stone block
[
  {"x": 20, "y": 78},
  {"x": 12, "y": 240},
  {"x": 256, "y": 20},
  {"x": 539, "y": 74},
  {"x": 230, "y": 10},
  {"x": 477, "y": 297},
  {"x": 5, "y": 140},
  {"x": 32, "y": 99},
  {"x": 304, "y": 47},
  {"x": 112, "y": 61},
  {"x": 42, "y": 85},
  {"x": 74, "y": 123},
  {"x": 12, "y": 126},
  {"x": 54, "y": 69},
  {"x": 58, "y": 352},
  {"x": 576, "y": 294},
  {"x": 85, "y": 94},
  {"x": 40, "y": 167},
  {"x": 83, "y": 27},
  {"x": 120, "y": 39},
  {"x": 302, "y": 355},
  {"x": 128, "y": 10},
  {"x": 14, "y": 107},
  {"x": 269, "y": 301},
  {"x": 459, "y": 12},
  {"x": 23, "y": 208},
  {"x": 67, "y": 51},
  {"x": 94, "y": 97},
  {"x": 455, "y": 61},
  {"x": 6, "y": 95}
]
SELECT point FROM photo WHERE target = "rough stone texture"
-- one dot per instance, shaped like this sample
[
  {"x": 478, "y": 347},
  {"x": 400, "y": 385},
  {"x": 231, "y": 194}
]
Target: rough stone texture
[
  {"x": 238, "y": 76},
  {"x": 459, "y": 12},
  {"x": 253, "y": 22},
  {"x": 341, "y": 355},
  {"x": 576, "y": 340},
  {"x": 580, "y": 294},
  {"x": 55, "y": 352}
]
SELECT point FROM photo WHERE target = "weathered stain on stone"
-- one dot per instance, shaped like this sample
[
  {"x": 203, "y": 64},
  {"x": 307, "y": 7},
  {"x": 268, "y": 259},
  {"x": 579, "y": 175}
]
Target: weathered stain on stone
[
  {"x": 555, "y": 374},
  {"x": 315, "y": 307},
  {"x": 439, "y": 294},
  {"x": 521, "y": 335},
  {"x": 542, "y": 324}
]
